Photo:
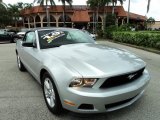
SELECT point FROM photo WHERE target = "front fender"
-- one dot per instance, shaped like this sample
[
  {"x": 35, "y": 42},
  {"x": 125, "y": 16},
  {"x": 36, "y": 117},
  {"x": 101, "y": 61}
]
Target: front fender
[{"x": 61, "y": 73}]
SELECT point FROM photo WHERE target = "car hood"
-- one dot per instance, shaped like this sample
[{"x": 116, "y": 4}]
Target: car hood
[{"x": 95, "y": 60}]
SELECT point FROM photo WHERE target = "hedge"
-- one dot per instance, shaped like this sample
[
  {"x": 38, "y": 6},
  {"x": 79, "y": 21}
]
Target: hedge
[{"x": 151, "y": 40}]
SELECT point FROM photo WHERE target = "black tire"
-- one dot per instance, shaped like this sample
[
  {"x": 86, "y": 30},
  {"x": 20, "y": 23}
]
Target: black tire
[
  {"x": 57, "y": 108},
  {"x": 20, "y": 64}
]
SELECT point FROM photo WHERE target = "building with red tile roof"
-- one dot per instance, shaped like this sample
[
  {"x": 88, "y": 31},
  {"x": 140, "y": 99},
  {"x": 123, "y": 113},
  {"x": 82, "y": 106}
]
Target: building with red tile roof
[{"x": 76, "y": 16}]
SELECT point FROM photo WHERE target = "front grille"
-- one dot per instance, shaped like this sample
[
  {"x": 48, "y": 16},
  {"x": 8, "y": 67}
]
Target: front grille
[{"x": 122, "y": 79}]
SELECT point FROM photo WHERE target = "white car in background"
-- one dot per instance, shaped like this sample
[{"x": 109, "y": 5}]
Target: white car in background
[
  {"x": 20, "y": 34},
  {"x": 90, "y": 34}
]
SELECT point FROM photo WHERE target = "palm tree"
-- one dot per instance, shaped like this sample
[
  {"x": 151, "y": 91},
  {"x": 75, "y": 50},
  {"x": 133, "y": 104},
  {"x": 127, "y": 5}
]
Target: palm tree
[
  {"x": 114, "y": 2},
  {"x": 64, "y": 9},
  {"x": 105, "y": 3},
  {"x": 4, "y": 16},
  {"x": 128, "y": 11},
  {"x": 27, "y": 5},
  {"x": 94, "y": 4},
  {"x": 148, "y": 6},
  {"x": 2, "y": 3},
  {"x": 15, "y": 12},
  {"x": 45, "y": 2}
]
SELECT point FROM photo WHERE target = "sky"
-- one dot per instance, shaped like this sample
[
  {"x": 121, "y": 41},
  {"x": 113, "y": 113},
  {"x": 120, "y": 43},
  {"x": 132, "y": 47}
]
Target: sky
[{"x": 136, "y": 6}]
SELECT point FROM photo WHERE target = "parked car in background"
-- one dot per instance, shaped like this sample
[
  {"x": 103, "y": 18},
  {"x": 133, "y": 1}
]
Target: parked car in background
[
  {"x": 92, "y": 35},
  {"x": 6, "y": 36},
  {"x": 78, "y": 74},
  {"x": 20, "y": 34}
]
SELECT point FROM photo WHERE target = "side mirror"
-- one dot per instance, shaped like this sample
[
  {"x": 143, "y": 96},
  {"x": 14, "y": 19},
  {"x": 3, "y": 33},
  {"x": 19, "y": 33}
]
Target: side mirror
[{"x": 27, "y": 44}]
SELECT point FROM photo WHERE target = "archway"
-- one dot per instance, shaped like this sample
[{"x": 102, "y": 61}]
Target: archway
[
  {"x": 95, "y": 23},
  {"x": 31, "y": 22},
  {"x": 52, "y": 21},
  {"x": 38, "y": 21},
  {"x": 68, "y": 22}
]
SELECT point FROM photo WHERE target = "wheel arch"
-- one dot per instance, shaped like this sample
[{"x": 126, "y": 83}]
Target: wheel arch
[
  {"x": 16, "y": 52},
  {"x": 44, "y": 70},
  {"x": 42, "y": 73}
]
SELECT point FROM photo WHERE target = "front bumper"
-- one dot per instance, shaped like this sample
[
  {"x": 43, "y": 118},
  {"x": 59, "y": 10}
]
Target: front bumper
[{"x": 95, "y": 100}]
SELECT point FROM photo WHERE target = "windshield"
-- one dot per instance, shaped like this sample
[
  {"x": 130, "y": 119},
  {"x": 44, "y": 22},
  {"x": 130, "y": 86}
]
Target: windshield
[{"x": 56, "y": 38}]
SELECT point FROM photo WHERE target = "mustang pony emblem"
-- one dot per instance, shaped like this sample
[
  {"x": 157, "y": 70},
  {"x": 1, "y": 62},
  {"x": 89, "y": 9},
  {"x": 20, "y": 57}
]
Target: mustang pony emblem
[{"x": 131, "y": 76}]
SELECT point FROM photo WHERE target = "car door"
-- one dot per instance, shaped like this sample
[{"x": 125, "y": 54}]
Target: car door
[{"x": 30, "y": 55}]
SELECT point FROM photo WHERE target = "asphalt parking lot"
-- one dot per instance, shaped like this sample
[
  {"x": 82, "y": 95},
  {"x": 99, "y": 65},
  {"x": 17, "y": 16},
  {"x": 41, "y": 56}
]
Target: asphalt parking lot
[{"x": 21, "y": 96}]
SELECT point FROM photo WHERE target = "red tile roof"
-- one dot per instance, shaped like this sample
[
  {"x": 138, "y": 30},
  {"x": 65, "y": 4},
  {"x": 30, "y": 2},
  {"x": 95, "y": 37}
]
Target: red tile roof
[
  {"x": 121, "y": 12},
  {"x": 80, "y": 13},
  {"x": 41, "y": 9},
  {"x": 136, "y": 16},
  {"x": 80, "y": 16}
]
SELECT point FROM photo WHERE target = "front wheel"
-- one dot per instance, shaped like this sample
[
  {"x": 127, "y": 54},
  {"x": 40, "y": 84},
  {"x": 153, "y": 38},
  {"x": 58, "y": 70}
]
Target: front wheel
[{"x": 51, "y": 95}]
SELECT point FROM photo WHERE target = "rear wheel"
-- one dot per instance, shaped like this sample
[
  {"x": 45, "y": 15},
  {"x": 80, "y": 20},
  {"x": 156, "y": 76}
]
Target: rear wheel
[
  {"x": 20, "y": 64},
  {"x": 51, "y": 95}
]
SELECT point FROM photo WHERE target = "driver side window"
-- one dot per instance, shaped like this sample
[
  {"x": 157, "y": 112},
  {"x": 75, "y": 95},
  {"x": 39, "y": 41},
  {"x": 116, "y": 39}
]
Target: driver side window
[{"x": 30, "y": 37}]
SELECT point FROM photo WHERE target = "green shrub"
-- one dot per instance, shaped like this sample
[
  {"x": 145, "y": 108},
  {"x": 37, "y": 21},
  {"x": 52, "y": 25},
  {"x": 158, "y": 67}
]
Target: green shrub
[
  {"x": 138, "y": 38},
  {"x": 125, "y": 27},
  {"x": 158, "y": 45},
  {"x": 109, "y": 30}
]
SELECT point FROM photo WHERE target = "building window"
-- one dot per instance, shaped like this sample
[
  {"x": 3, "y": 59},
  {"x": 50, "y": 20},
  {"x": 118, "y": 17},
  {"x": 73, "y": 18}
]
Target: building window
[
  {"x": 52, "y": 21},
  {"x": 31, "y": 21},
  {"x": 37, "y": 19},
  {"x": 67, "y": 20},
  {"x": 94, "y": 22},
  {"x": 25, "y": 20}
]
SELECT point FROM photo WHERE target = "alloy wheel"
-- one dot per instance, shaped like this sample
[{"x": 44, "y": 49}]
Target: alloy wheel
[{"x": 49, "y": 92}]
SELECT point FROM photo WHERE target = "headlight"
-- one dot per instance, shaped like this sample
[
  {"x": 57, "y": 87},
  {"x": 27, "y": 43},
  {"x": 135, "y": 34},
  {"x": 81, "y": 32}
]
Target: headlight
[{"x": 83, "y": 82}]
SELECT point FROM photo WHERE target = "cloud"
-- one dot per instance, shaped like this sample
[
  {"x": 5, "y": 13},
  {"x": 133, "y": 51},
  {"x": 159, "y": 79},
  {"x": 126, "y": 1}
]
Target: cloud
[
  {"x": 135, "y": 1},
  {"x": 140, "y": 7}
]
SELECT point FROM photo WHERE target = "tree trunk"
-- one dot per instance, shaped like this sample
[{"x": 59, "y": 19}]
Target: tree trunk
[
  {"x": 104, "y": 17},
  {"x": 128, "y": 12},
  {"x": 112, "y": 8},
  {"x": 47, "y": 12},
  {"x": 94, "y": 21},
  {"x": 64, "y": 17},
  {"x": 97, "y": 18}
]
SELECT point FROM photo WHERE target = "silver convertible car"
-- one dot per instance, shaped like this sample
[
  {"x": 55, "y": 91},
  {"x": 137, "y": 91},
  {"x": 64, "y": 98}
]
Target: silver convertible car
[{"x": 78, "y": 74}]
